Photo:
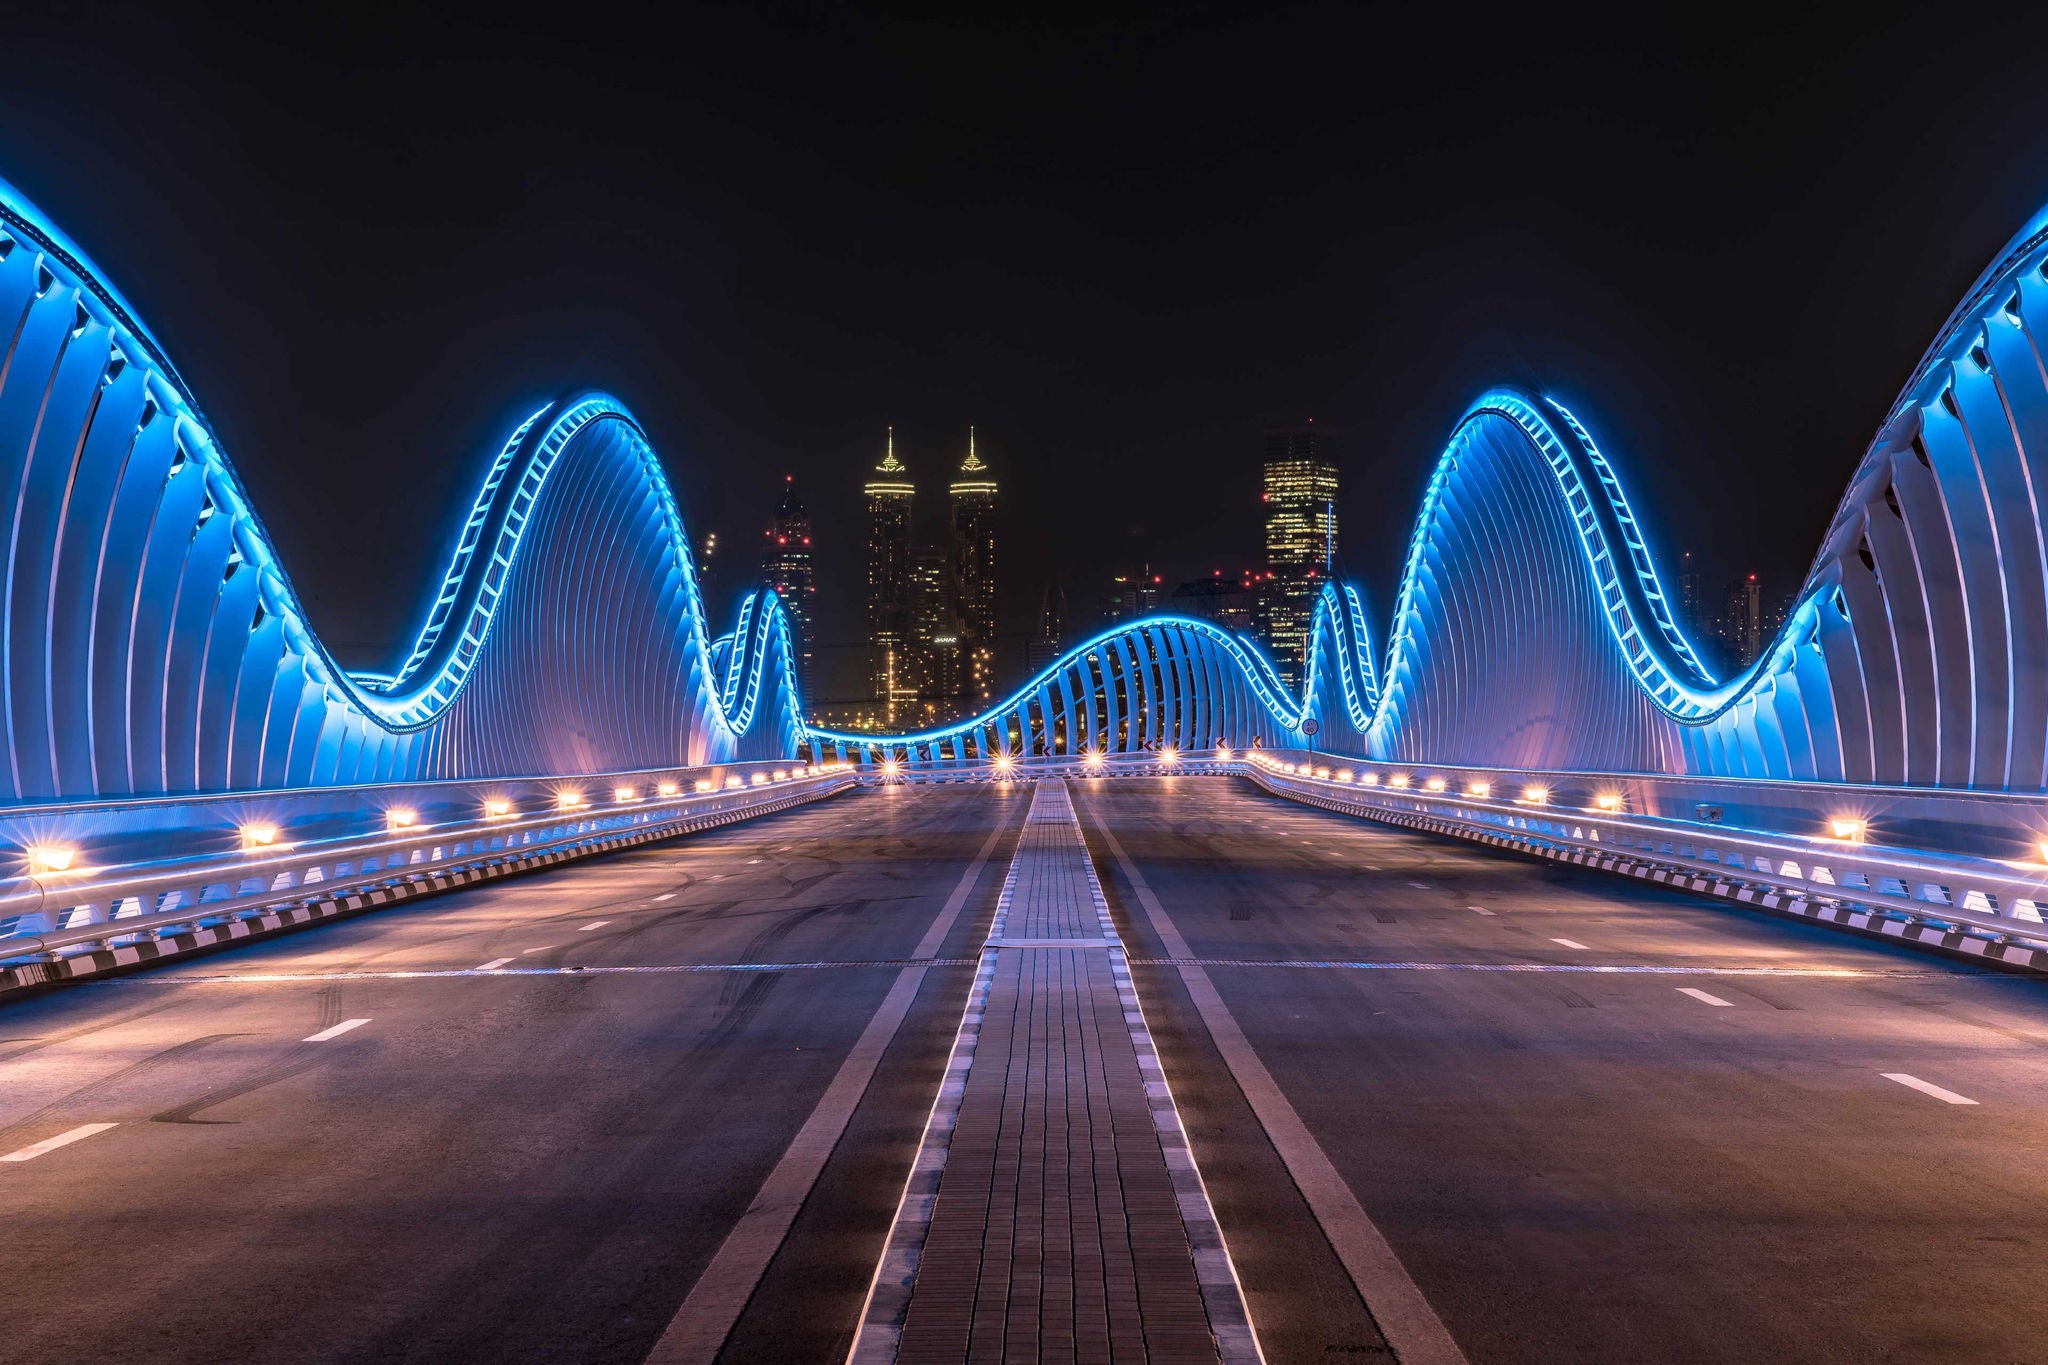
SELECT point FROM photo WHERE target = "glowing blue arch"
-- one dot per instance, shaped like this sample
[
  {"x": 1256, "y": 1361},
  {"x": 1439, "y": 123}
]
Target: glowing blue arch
[
  {"x": 153, "y": 642},
  {"x": 1531, "y": 630}
]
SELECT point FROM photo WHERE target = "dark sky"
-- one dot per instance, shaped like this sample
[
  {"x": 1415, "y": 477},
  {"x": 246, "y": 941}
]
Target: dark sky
[{"x": 373, "y": 241}]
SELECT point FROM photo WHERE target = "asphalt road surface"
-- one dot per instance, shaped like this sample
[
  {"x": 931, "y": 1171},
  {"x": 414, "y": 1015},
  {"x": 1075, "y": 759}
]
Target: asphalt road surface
[{"x": 1745, "y": 1143}]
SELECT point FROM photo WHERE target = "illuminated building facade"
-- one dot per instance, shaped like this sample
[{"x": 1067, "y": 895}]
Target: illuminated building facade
[
  {"x": 1299, "y": 497},
  {"x": 973, "y": 506},
  {"x": 786, "y": 569},
  {"x": 889, "y": 493},
  {"x": 937, "y": 636}
]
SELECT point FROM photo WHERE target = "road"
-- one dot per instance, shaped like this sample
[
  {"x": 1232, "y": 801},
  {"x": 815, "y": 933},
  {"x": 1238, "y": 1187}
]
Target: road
[{"x": 535, "y": 1162}]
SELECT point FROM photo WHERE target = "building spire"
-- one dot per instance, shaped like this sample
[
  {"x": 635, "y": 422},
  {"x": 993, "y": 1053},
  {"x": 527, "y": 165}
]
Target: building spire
[
  {"x": 890, "y": 464},
  {"x": 972, "y": 464}
]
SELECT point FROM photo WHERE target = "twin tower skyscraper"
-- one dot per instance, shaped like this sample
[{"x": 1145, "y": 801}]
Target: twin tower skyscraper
[{"x": 931, "y": 608}]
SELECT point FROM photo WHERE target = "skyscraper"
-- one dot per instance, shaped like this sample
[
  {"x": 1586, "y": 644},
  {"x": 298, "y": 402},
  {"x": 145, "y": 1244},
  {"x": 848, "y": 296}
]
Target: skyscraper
[
  {"x": 936, "y": 634},
  {"x": 889, "y": 493},
  {"x": 1742, "y": 621},
  {"x": 973, "y": 495},
  {"x": 1300, "y": 500},
  {"x": 786, "y": 567},
  {"x": 1044, "y": 649}
]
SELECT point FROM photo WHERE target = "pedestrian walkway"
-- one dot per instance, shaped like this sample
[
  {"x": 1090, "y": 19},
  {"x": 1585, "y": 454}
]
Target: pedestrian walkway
[{"x": 1054, "y": 1212}]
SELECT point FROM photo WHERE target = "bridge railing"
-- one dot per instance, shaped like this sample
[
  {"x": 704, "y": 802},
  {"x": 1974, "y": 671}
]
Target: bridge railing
[
  {"x": 75, "y": 896},
  {"x": 1817, "y": 843}
]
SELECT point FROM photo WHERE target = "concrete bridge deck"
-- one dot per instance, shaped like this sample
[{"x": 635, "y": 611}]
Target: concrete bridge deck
[{"x": 667, "y": 1102}]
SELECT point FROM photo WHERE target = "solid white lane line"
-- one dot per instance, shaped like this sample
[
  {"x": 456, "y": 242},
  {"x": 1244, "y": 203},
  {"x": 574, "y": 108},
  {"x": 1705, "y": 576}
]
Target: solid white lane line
[
  {"x": 1404, "y": 1316},
  {"x": 1572, "y": 943},
  {"x": 64, "y": 1139},
  {"x": 702, "y": 1324},
  {"x": 543, "y": 948},
  {"x": 752, "y": 861},
  {"x": 1705, "y": 997},
  {"x": 1926, "y": 1087},
  {"x": 343, "y": 1027},
  {"x": 494, "y": 964},
  {"x": 1479, "y": 910},
  {"x": 666, "y": 896},
  {"x": 594, "y": 924}
]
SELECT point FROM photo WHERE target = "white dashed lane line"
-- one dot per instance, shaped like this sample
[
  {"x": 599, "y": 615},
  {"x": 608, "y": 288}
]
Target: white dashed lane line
[
  {"x": 666, "y": 896},
  {"x": 1572, "y": 943},
  {"x": 1926, "y": 1087},
  {"x": 64, "y": 1139},
  {"x": 494, "y": 964},
  {"x": 543, "y": 948},
  {"x": 343, "y": 1027},
  {"x": 594, "y": 924},
  {"x": 1479, "y": 910},
  {"x": 1705, "y": 997}
]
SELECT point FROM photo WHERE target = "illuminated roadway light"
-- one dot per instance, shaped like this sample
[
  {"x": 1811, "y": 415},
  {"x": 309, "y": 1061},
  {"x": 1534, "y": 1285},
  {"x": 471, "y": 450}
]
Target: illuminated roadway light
[
  {"x": 703, "y": 784},
  {"x": 668, "y": 789},
  {"x": 1223, "y": 753},
  {"x": 782, "y": 774},
  {"x": 46, "y": 858},
  {"x": 1608, "y": 801},
  {"x": 1170, "y": 754},
  {"x": 1399, "y": 779},
  {"x": 759, "y": 779},
  {"x": 1323, "y": 774},
  {"x": 497, "y": 808},
  {"x": 733, "y": 781},
  {"x": 1536, "y": 795},
  {"x": 625, "y": 793},
  {"x": 258, "y": 835},
  {"x": 1479, "y": 789},
  {"x": 1848, "y": 827},
  {"x": 568, "y": 800},
  {"x": 889, "y": 767},
  {"x": 400, "y": 817},
  {"x": 1344, "y": 775},
  {"x": 1435, "y": 784},
  {"x": 1093, "y": 758}
]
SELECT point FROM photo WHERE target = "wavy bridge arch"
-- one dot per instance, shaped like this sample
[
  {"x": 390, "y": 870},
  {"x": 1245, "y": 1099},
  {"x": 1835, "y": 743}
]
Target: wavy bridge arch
[{"x": 153, "y": 642}]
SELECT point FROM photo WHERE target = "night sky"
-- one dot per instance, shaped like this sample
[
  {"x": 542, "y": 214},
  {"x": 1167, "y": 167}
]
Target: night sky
[{"x": 372, "y": 242}]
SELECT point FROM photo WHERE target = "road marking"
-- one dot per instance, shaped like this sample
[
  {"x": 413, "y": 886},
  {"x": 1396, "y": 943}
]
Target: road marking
[
  {"x": 666, "y": 896},
  {"x": 1572, "y": 943},
  {"x": 1420, "y": 886},
  {"x": 594, "y": 924},
  {"x": 752, "y": 861},
  {"x": 494, "y": 964},
  {"x": 61, "y": 1140},
  {"x": 1705, "y": 997},
  {"x": 543, "y": 948},
  {"x": 1926, "y": 1087},
  {"x": 1410, "y": 1326},
  {"x": 706, "y": 1318},
  {"x": 1479, "y": 910},
  {"x": 343, "y": 1027}
]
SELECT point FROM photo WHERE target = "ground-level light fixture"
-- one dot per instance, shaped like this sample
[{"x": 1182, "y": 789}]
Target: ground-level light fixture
[
  {"x": 625, "y": 793},
  {"x": 703, "y": 784},
  {"x": 734, "y": 781},
  {"x": 497, "y": 808},
  {"x": 1849, "y": 827},
  {"x": 401, "y": 817},
  {"x": 1536, "y": 796},
  {"x": 568, "y": 800},
  {"x": 1608, "y": 801},
  {"x": 258, "y": 834},
  {"x": 1223, "y": 753},
  {"x": 668, "y": 788},
  {"x": 1170, "y": 754},
  {"x": 759, "y": 779},
  {"x": 889, "y": 767},
  {"x": 1479, "y": 789},
  {"x": 47, "y": 858},
  {"x": 1398, "y": 780},
  {"x": 1436, "y": 784}
]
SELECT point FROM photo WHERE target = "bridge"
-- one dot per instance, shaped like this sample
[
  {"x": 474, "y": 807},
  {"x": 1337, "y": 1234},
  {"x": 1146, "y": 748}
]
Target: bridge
[{"x": 1516, "y": 990}]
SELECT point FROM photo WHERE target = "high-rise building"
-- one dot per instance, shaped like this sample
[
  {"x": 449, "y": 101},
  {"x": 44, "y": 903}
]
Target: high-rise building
[
  {"x": 1128, "y": 596},
  {"x": 1300, "y": 498},
  {"x": 1692, "y": 599},
  {"x": 936, "y": 633},
  {"x": 973, "y": 495},
  {"x": 786, "y": 567},
  {"x": 1227, "y": 599},
  {"x": 889, "y": 493},
  {"x": 1046, "y": 642},
  {"x": 1741, "y": 627}
]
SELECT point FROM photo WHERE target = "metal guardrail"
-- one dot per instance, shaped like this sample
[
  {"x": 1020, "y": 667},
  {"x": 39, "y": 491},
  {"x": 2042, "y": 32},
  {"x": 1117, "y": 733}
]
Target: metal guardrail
[
  {"x": 88, "y": 907},
  {"x": 2000, "y": 899}
]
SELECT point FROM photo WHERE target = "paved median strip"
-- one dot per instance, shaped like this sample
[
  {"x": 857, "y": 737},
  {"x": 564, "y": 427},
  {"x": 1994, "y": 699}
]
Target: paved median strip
[{"x": 64, "y": 1139}]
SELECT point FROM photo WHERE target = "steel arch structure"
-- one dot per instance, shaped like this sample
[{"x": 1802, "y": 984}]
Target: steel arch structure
[
  {"x": 1531, "y": 630},
  {"x": 153, "y": 642}
]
